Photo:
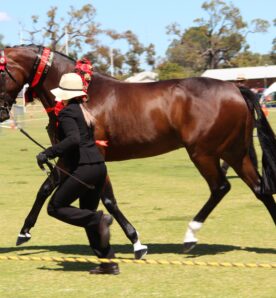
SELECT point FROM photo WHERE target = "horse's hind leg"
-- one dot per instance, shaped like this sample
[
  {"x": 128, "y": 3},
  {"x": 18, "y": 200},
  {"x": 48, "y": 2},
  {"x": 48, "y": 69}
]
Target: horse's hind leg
[
  {"x": 209, "y": 167},
  {"x": 45, "y": 190},
  {"x": 252, "y": 154},
  {"x": 110, "y": 203},
  {"x": 248, "y": 173},
  {"x": 269, "y": 203}
]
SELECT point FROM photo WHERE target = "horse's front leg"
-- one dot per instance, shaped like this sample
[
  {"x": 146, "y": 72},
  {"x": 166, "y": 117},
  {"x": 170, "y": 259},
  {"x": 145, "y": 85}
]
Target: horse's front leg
[
  {"x": 45, "y": 190},
  {"x": 109, "y": 201}
]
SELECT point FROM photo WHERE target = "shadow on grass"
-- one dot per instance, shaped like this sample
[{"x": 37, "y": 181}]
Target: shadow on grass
[
  {"x": 154, "y": 248},
  {"x": 72, "y": 267}
]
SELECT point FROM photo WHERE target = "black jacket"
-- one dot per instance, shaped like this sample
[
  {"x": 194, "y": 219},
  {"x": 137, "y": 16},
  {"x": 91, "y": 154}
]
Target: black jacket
[{"x": 77, "y": 144}]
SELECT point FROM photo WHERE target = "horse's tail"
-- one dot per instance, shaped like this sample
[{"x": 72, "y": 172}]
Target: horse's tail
[{"x": 267, "y": 141}]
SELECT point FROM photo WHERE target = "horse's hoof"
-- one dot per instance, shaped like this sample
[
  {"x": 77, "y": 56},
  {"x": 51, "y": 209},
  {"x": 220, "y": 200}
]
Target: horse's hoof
[
  {"x": 139, "y": 254},
  {"x": 188, "y": 246},
  {"x": 22, "y": 238}
]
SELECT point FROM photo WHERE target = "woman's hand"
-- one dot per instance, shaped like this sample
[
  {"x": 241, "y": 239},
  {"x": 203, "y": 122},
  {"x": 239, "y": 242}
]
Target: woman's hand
[{"x": 41, "y": 159}]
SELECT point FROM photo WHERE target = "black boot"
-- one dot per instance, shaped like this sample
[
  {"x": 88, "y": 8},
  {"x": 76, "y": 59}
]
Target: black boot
[{"x": 107, "y": 268}]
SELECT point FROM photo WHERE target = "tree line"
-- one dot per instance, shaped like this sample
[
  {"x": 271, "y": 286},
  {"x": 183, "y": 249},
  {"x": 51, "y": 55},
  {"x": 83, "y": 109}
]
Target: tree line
[{"x": 217, "y": 41}]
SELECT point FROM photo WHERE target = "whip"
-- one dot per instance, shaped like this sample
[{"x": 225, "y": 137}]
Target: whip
[{"x": 51, "y": 165}]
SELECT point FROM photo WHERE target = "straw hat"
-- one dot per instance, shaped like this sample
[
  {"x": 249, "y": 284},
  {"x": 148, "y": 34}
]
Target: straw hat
[
  {"x": 70, "y": 86},
  {"x": 241, "y": 77}
]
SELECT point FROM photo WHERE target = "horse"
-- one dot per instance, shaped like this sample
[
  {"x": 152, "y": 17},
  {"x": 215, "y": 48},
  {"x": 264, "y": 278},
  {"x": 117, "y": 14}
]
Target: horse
[{"x": 211, "y": 119}]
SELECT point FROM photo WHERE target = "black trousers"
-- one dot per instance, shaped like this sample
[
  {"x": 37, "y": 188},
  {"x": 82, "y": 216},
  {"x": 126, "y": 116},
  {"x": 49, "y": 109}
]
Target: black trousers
[{"x": 86, "y": 216}]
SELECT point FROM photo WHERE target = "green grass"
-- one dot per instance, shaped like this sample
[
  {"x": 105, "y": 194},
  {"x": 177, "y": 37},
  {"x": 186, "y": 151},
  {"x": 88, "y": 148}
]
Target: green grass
[{"x": 159, "y": 196}]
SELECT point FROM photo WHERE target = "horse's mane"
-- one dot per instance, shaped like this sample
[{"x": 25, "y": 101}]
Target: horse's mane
[
  {"x": 103, "y": 75},
  {"x": 97, "y": 73},
  {"x": 39, "y": 46}
]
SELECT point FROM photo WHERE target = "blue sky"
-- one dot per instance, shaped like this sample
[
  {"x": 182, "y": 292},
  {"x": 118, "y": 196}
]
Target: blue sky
[{"x": 146, "y": 18}]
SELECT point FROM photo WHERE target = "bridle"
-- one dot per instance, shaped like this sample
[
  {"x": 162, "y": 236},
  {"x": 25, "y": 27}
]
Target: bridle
[
  {"x": 43, "y": 62},
  {"x": 41, "y": 66}
]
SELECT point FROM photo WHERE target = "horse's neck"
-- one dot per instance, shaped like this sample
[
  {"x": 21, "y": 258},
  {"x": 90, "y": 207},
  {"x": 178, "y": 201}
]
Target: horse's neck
[{"x": 61, "y": 66}]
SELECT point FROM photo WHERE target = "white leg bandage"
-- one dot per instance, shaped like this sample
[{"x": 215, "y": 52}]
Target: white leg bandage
[
  {"x": 138, "y": 246},
  {"x": 26, "y": 235},
  {"x": 193, "y": 227}
]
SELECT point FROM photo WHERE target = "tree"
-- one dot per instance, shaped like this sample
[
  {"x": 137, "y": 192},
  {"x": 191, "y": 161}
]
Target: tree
[
  {"x": 150, "y": 55},
  {"x": 273, "y": 52},
  {"x": 188, "y": 51},
  {"x": 168, "y": 70},
  {"x": 1, "y": 41},
  {"x": 136, "y": 49},
  {"x": 79, "y": 27},
  {"x": 101, "y": 56},
  {"x": 128, "y": 62},
  {"x": 247, "y": 58},
  {"x": 81, "y": 30},
  {"x": 216, "y": 40}
]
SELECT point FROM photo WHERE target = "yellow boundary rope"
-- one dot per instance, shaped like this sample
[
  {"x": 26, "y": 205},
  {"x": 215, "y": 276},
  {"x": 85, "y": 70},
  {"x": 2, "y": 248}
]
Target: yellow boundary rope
[{"x": 132, "y": 261}]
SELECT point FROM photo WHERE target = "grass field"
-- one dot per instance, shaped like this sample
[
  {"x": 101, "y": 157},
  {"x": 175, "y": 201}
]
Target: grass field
[{"x": 159, "y": 196}]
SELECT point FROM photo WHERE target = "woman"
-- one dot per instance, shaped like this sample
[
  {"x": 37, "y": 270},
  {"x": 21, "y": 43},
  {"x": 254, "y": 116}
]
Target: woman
[{"x": 81, "y": 156}]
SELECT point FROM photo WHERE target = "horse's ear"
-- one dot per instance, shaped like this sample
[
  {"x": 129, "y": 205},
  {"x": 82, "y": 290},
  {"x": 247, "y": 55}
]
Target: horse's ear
[{"x": 29, "y": 95}]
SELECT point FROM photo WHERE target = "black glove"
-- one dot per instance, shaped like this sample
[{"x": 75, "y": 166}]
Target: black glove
[{"x": 41, "y": 158}]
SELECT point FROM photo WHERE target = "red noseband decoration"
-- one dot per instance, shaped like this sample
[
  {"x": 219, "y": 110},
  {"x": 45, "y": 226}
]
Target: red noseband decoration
[{"x": 3, "y": 61}]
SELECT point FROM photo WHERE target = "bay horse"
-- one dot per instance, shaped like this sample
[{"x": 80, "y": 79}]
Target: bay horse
[{"x": 211, "y": 119}]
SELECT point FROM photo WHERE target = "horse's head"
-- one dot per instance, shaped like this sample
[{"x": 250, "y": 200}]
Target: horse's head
[
  {"x": 34, "y": 65},
  {"x": 6, "y": 95},
  {"x": 20, "y": 65},
  {"x": 14, "y": 71}
]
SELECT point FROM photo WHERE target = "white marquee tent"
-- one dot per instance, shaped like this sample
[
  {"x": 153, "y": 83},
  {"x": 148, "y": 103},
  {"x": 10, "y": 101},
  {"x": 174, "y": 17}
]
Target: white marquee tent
[
  {"x": 145, "y": 76},
  {"x": 248, "y": 73},
  {"x": 270, "y": 89}
]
